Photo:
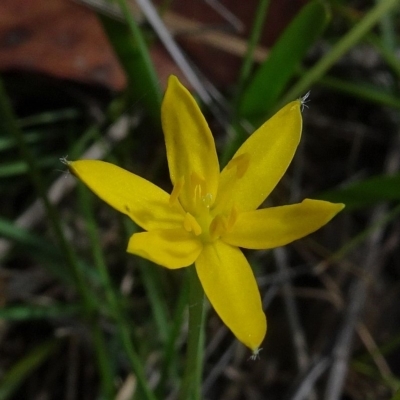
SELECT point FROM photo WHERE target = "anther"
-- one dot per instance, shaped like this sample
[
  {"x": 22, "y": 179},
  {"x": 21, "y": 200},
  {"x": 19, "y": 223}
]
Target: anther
[
  {"x": 232, "y": 218},
  {"x": 217, "y": 227},
  {"x": 176, "y": 191},
  {"x": 191, "y": 225}
]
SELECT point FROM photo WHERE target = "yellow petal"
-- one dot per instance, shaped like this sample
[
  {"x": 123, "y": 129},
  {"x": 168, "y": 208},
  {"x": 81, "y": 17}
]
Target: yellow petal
[
  {"x": 277, "y": 226},
  {"x": 261, "y": 161},
  {"x": 231, "y": 288},
  {"x": 190, "y": 144},
  {"x": 171, "y": 248},
  {"x": 144, "y": 202}
]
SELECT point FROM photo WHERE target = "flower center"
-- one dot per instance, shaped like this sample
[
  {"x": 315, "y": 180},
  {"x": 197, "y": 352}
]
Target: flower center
[{"x": 200, "y": 219}]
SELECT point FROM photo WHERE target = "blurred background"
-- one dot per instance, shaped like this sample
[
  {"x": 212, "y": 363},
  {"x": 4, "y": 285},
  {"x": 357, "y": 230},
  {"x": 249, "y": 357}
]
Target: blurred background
[{"x": 82, "y": 319}]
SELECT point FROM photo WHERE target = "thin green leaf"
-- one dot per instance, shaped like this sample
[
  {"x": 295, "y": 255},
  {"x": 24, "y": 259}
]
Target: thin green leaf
[
  {"x": 49, "y": 117},
  {"x": 28, "y": 312},
  {"x": 117, "y": 312},
  {"x": 366, "y": 193},
  {"x": 389, "y": 56},
  {"x": 355, "y": 241},
  {"x": 170, "y": 367},
  {"x": 341, "y": 47},
  {"x": 362, "y": 90},
  {"x": 150, "y": 277},
  {"x": 383, "y": 43},
  {"x": 41, "y": 249},
  {"x": 151, "y": 281},
  {"x": 273, "y": 75},
  {"x": 248, "y": 61},
  {"x": 38, "y": 247},
  {"x": 18, "y": 373},
  {"x": 7, "y": 143},
  {"x": 8, "y": 124},
  {"x": 373, "y": 373},
  {"x": 21, "y": 167},
  {"x": 130, "y": 47},
  {"x": 263, "y": 91}
]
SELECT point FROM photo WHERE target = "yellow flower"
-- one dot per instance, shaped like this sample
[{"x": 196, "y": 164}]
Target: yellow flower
[{"x": 210, "y": 214}]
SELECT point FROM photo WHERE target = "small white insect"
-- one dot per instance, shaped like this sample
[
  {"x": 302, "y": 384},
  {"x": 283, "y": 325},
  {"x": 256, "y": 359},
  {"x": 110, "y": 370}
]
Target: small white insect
[
  {"x": 64, "y": 160},
  {"x": 255, "y": 355},
  {"x": 304, "y": 100}
]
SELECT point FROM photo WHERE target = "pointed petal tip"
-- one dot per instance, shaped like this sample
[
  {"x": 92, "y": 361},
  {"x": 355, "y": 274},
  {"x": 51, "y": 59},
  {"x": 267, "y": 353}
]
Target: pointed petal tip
[
  {"x": 189, "y": 142},
  {"x": 76, "y": 166},
  {"x": 269, "y": 150},
  {"x": 340, "y": 206},
  {"x": 334, "y": 208},
  {"x": 173, "y": 80},
  {"x": 278, "y": 226},
  {"x": 254, "y": 334},
  {"x": 255, "y": 339},
  {"x": 295, "y": 105}
]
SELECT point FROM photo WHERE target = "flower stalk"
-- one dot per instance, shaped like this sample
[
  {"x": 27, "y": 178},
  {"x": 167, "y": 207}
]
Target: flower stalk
[{"x": 191, "y": 383}]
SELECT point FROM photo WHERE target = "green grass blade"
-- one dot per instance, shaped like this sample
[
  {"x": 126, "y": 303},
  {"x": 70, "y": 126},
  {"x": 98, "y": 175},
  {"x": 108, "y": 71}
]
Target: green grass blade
[
  {"x": 273, "y": 75},
  {"x": 373, "y": 374},
  {"x": 191, "y": 381},
  {"x": 29, "y": 312},
  {"x": 262, "y": 92},
  {"x": 389, "y": 56},
  {"x": 169, "y": 367},
  {"x": 149, "y": 275},
  {"x": 123, "y": 327},
  {"x": 130, "y": 47},
  {"x": 361, "y": 90},
  {"x": 50, "y": 117},
  {"x": 148, "y": 272},
  {"x": 26, "y": 239},
  {"x": 388, "y": 31},
  {"x": 9, "y": 124},
  {"x": 18, "y": 168},
  {"x": 248, "y": 61},
  {"x": 363, "y": 235},
  {"x": 365, "y": 193},
  {"x": 31, "y": 137},
  {"x": 39, "y": 248},
  {"x": 12, "y": 379},
  {"x": 342, "y": 46}
]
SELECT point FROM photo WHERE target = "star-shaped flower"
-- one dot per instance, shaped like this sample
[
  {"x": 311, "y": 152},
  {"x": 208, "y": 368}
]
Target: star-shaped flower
[{"x": 210, "y": 213}]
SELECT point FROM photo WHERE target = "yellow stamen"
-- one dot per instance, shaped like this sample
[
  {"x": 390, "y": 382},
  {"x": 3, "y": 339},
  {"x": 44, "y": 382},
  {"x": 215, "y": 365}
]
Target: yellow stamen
[
  {"x": 173, "y": 198},
  {"x": 232, "y": 218},
  {"x": 217, "y": 227},
  {"x": 191, "y": 225}
]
